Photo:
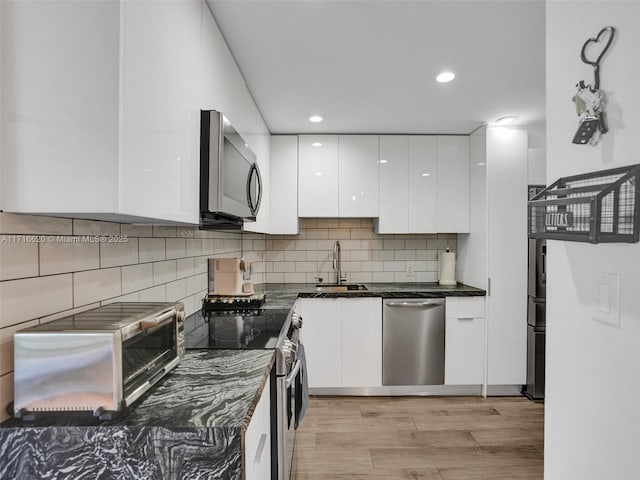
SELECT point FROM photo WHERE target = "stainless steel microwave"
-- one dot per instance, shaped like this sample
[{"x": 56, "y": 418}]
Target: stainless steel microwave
[
  {"x": 100, "y": 360},
  {"x": 230, "y": 182}
]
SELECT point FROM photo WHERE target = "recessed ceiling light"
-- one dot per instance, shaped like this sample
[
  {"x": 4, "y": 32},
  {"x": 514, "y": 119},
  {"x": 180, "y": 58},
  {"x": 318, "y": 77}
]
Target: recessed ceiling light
[
  {"x": 508, "y": 120},
  {"x": 382, "y": 161},
  {"x": 315, "y": 118},
  {"x": 481, "y": 164},
  {"x": 445, "y": 77},
  {"x": 426, "y": 174},
  {"x": 316, "y": 144},
  {"x": 319, "y": 174}
]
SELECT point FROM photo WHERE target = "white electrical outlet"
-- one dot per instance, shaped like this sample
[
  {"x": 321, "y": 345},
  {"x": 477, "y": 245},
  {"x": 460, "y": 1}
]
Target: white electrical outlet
[
  {"x": 409, "y": 269},
  {"x": 606, "y": 298}
]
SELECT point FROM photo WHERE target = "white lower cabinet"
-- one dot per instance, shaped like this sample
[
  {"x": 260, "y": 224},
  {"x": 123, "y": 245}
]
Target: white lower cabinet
[
  {"x": 464, "y": 341},
  {"x": 257, "y": 439},
  {"x": 343, "y": 341}
]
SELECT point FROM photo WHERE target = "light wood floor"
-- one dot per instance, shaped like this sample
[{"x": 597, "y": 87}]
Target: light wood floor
[{"x": 433, "y": 438}]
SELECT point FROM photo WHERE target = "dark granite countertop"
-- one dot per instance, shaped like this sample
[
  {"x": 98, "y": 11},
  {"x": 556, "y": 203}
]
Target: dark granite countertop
[
  {"x": 189, "y": 425},
  {"x": 285, "y": 295}
]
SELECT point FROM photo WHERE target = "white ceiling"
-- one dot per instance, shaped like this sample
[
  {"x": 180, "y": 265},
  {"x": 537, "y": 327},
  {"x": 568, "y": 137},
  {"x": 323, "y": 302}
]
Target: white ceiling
[{"x": 369, "y": 66}]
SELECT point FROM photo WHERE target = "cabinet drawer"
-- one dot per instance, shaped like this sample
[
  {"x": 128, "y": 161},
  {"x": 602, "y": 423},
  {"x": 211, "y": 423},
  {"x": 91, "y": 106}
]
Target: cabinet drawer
[
  {"x": 469, "y": 307},
  {"x": 257, "y": 439}
]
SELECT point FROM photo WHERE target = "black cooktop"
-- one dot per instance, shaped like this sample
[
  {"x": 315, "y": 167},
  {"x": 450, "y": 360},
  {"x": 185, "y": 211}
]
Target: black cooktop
[{"x": 239, "y": 329}]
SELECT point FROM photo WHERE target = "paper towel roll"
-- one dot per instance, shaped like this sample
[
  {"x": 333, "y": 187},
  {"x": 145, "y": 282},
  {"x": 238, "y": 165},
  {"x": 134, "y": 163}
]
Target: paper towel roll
[{"x": 447, "y": 273}]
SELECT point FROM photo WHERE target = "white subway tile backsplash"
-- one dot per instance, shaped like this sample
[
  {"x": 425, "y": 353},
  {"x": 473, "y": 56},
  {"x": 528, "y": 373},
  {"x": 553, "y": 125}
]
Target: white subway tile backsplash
[
  {"x": 164, "y": 272},
  {"x": 432, "y": 266},
  {"x": 201, "y": 265},
  {"x": 405, "y": 254},
  {"x": 165, "y": 231},
  {"x": 376, "y": 244},
  {"x": 208, "y": 246},
  {"x": 361, "y": 233},
  {"x": 394, "y": 266},
  {"x": 351, "y": 245},
  {"x": 383, "y": 255},
  {"x": 185, "y": 267},
  {"x": 11, "y": 223},
  {"x": 306, "y": 267},
  {"x": 375, "y": 266},
  {"x": 284, "y": 267},
  {"x": 404, "y": 277},
  {"x": 361, "y": 255},
  {"x": 176, "y": 290},
  {"x": 68, "y": 313},
  {"x": 351, "y": 266},
  {"x": 298, "y": 277},
  {"x": 194, "y": 247},
  {"x": 29, "y": 298},
  {"x": 306, "y": 244},
  {"x": 295, "y": 256},
  {"x": 96, "y": 285},
  {"x": 318, "y": 234},
  {"x": 115, "y": 254},
  {"x": 383, "y": 277},
  {"x": 194, "y": 284},
  {"x": 415, "y": 244},
  {"x": 426, "y": 276},
  {"x": 318, "y": 256},
  {"x": 308, "y": 223},
  {"x": 130, "y": 297},
  {"x": 176, "y": 248},
  {"x": 426, "y": 255},
  {"x": 327, "y": 223},
  {"x": 6, "y": 394},
  {"x": 92, "y": 227},
  {"x": 151, "y": 249},
  {"x": 361, "y": 277},
  {"x": 349, "y": 223},
  {"x": 275, "y": 277},
  {"x": 131, "y": 230},
  {"x": 137, "y": 277},
  {"x": 185, "y": 232},
  {"x": 284, "y": 244},
  {"x": 439, "y": 244},
  {"x": 394, "y": 244},
  {"x": 69, "y": 254},
  {"x": 18, "y": 257},
  {"x": 155, "y": 294},
  {"x": 339, "y": 234}
]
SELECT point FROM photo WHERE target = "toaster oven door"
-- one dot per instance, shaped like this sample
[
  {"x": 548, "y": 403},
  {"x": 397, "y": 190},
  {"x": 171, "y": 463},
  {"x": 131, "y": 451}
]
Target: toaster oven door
[{"x": 147, "y": 356}]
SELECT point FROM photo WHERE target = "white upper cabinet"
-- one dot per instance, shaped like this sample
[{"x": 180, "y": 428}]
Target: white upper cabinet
[
  {"x": 318, "y": 175},
  {"x": 160, "y": 109},
  {"x": 394, "y": 184},
  {"x": 284, "y": 185},
  {"x": 114, "y": 134},
  {"x": 358, "y": 176},
  {"x": 453, "y": 184},
  {"x": 423, "y": 185}
]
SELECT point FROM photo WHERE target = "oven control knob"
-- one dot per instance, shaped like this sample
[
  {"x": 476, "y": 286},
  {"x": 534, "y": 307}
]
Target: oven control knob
[
  {"x": 288, "y": 349},
  {"x": 296, "y": 320}
]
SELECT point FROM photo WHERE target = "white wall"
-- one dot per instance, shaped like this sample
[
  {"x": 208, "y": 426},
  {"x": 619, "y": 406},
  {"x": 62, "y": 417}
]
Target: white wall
[{"x": 592, "y": 387}]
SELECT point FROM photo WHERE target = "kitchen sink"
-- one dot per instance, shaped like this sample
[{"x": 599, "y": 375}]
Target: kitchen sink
[{"x": 344, "y": 287}]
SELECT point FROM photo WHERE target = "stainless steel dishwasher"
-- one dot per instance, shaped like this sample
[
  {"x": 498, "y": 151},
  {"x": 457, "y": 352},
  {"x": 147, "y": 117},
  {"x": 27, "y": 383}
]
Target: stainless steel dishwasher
[{"x": 413, "y": 341}]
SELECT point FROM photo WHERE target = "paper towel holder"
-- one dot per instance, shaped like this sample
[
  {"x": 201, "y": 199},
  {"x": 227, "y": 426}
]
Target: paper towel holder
[{"x": 447, "y": 267}]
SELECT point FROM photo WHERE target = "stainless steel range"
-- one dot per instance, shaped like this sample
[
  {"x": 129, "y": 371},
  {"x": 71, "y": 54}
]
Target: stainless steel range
[{"x": 244, "y": 325}]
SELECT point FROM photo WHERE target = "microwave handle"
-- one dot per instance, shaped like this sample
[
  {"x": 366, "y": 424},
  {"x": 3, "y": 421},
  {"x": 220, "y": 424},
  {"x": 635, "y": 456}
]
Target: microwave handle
[
  {"x": 254, "y": 204},
  {"x": 154, "y": 322}
]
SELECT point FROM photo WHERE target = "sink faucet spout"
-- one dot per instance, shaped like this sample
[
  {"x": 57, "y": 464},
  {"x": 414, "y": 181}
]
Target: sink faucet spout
[{"x": 337, "y": 262}]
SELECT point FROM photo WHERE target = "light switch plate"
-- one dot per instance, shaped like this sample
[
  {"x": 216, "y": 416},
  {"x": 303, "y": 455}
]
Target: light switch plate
[{"x": 606, "y": 298}]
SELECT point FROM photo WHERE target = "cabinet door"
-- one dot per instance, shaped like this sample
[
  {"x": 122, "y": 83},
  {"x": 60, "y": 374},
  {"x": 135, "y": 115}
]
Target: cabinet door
[
  {"x": 284, "y": 185},
  {"x": 453, "y": 184},
  {"x": 464, "y": 341},
  {"x": 322, "y": 338},
  {"x": 423, "y": 175},
  {"x": 361, "y": 342},
  {"x": 393, "y": 182},
  {"x": 358, "y": 176},
  {"x": 318, "y": 176},
  {"x": 257, "y": 439},
  {"x": 160, "y": 109}
]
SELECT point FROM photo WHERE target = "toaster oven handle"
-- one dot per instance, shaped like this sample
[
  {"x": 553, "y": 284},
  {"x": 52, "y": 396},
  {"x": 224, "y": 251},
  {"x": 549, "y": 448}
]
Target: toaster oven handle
[{"x": 154, "y": 322}]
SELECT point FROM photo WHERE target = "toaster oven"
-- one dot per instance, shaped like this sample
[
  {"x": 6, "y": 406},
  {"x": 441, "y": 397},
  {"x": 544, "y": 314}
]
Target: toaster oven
[{"x": 100, "y": 360}]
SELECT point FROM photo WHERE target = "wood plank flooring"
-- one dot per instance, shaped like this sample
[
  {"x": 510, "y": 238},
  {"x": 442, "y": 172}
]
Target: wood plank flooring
[{"x": 429, "y": 438}]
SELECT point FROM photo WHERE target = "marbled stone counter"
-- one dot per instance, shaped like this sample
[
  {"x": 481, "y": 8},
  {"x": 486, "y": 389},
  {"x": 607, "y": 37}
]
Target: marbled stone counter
[
  {"x": 188, "y": 426},
  {"x": 281, "y": 295}
]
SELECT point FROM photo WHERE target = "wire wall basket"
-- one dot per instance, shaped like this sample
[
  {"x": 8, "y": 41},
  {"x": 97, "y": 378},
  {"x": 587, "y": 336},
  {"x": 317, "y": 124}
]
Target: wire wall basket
[{"x": 592, "y": 207}]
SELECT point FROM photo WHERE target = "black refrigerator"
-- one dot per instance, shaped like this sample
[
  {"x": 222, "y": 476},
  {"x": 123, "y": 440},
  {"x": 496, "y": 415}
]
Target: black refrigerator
[{"x": 536, "y": 314}]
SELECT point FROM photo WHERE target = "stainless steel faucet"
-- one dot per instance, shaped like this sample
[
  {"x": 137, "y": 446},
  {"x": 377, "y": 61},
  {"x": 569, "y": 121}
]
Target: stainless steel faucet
[{"x": 337, "y": 262}]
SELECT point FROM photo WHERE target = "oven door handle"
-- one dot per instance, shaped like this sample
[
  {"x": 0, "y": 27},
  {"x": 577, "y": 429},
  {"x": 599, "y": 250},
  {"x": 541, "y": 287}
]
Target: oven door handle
[
  {"x": 294, "y": 373},
  {"x": 148, "y": 323}
]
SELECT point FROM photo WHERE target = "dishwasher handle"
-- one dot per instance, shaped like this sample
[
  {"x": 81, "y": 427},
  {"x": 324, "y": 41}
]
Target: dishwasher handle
[{"x": 425, "y": 304}]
